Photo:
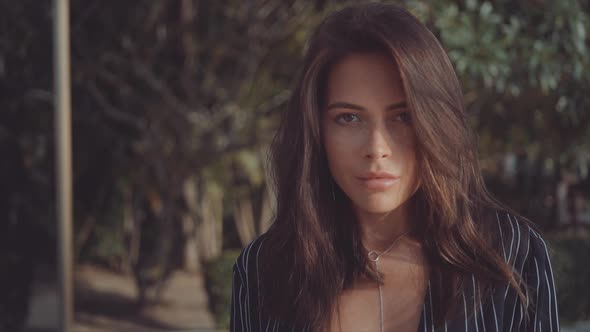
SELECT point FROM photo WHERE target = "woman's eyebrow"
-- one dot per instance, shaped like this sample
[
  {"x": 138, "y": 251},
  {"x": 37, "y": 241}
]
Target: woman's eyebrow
[{"x": 342, "y": 104}]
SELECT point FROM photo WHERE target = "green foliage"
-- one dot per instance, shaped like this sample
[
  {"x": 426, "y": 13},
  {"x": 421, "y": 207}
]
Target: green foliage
[
  {"x": 509, "y": 45},
  {"x": 524, "y": 68},
  {"x": 569, "y": 255},
  {"x": 218, "y": 282}
]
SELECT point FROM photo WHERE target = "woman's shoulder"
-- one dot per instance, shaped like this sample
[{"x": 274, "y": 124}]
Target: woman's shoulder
[
  {"x": 248, "y": 259},
  {"x": 520, "y": 240}
]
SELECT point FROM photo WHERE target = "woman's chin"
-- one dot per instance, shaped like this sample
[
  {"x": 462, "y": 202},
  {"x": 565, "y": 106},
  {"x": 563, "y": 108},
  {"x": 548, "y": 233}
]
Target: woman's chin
[{"x": 375, "y": 206}]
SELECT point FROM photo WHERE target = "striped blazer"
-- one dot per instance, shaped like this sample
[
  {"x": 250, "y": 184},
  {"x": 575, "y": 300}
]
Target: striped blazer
[{"x": 524, "y": 248}]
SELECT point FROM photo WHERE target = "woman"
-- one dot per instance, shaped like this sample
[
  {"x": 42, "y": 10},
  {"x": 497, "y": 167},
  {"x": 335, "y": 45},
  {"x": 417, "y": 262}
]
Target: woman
[{"x": 383, "y": 222}]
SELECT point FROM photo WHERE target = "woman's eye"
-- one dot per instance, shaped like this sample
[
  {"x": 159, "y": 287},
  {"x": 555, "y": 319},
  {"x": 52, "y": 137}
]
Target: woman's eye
[
  {"x": 403, "y": 117},
  {"x": 347, "y": 117}
]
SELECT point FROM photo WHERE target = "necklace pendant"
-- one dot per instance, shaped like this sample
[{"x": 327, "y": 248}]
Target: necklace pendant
[{"x": 373, "y": 256}]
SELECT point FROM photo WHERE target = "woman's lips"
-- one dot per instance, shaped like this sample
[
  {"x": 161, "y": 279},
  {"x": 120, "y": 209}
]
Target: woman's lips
[{"x": 379, "y": 183}]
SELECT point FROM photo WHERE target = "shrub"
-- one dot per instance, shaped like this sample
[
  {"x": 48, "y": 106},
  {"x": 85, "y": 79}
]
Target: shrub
[
  {"x": 572, "y": 276},
  {"x": 218, "y": 282}
]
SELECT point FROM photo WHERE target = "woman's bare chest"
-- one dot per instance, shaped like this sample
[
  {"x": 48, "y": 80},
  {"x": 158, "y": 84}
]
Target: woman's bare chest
[{"x": 402, "y": 295}]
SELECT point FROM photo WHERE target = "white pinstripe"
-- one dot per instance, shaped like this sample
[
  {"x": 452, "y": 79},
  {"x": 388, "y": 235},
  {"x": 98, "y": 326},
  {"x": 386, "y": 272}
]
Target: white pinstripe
[
  {"x": 550, "y": 289},
  {"x": 465, "y": 310},
  {"x": 424, "y": 317},
  {"x": 475, "y": 304},
  {"x": 515, "y": 262},
  {"x": 549, "y": 304},
  {"x": 501, "y": 235},
  {"x": 495, "y": 315},
  {"x": 431, "y": 309},
  {"x": 258, "y": 302},
  {"x": 537, "y": 301}
]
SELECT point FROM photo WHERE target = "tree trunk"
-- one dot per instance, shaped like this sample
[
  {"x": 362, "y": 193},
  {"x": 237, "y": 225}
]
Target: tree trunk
[
  {"x": 190, "y": 259},
  {"x": 210, "y": 230},
  {"x": 266, "y": 211},
  {"x": 244, "y": 219}
]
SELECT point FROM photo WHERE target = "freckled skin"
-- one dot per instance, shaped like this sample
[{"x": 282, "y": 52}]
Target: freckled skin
[{"x": 371, "y": 139}]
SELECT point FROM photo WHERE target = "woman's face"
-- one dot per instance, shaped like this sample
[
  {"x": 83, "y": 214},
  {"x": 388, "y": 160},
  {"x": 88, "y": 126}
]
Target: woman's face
[{"x": 367, "y": 135}]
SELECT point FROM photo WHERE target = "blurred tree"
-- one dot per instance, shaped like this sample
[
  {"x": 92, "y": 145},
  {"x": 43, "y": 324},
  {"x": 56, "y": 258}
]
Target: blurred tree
[
  {"x": 170, "y": 87},
  {"x": 173, "y": 102},
  {"x": 525, "y": 69},
  {"x": 25, "y": 154}
]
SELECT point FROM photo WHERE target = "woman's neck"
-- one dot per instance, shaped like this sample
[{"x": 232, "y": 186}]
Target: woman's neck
[{"x": 378, "y": 231}]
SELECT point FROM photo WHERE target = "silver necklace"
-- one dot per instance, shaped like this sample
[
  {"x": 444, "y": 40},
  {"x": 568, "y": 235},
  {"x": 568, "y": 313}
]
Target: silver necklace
[{"x": 374, "y": 256}]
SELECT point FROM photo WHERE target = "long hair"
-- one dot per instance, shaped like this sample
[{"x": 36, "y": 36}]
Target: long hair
[{"x": 313, "y": 248}]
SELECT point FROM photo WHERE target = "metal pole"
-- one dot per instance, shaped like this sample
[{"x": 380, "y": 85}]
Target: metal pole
[{"x": 63, "y": 159}]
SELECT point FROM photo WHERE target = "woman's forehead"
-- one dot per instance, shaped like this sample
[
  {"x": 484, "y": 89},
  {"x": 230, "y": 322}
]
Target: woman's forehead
[{"x": 371, "y": 78}]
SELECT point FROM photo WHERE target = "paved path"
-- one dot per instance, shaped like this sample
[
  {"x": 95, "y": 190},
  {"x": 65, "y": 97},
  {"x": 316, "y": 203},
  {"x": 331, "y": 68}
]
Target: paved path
[{"x": 105, "y": 301}]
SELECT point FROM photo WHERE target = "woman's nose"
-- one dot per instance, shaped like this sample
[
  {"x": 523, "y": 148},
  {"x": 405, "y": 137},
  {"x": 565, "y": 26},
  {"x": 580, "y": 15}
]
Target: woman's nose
[{"x": 377, "y": 144}]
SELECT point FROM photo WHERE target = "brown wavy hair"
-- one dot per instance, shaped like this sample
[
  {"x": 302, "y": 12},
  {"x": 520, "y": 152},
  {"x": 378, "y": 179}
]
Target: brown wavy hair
[{"x": 313, "y": 249}]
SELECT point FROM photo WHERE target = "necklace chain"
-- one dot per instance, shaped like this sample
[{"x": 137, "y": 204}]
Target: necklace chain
[{"x": 374, "y": 256}]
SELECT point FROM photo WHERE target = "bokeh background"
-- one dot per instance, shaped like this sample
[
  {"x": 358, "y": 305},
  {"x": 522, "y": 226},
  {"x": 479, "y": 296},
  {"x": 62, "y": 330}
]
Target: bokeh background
[{"x": 174, "y": 106}]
